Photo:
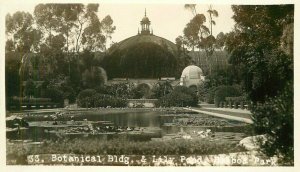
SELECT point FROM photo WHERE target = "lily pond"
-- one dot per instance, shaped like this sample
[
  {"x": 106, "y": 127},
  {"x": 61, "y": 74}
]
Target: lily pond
[
  {"x": 140, "y": 125},
  {"x": 153, "y": 131}
]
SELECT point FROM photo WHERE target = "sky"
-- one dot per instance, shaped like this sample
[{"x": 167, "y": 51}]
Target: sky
[{"x": 167, "y": 20}]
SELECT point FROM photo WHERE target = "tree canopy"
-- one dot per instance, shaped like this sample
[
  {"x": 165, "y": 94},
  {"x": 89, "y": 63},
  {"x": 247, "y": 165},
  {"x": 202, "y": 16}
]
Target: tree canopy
[
  {"x": 261, "y": 45},
  {"x": 53, "y": 41},
  {"x": 255, "y": 44}
]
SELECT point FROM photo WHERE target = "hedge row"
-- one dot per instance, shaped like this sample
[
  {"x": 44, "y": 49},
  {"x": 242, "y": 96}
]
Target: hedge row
[
  {"x": 29, "y": 100},
  {"x": 225, "y": 91},
  {"x": 18, "y": 102},
  {"x": 234, "y": 102},
  {"x": 180, "y": 97},
  {"x": 90, "y": 98}
]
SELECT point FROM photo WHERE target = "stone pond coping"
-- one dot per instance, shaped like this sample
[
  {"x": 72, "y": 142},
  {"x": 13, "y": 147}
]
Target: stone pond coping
[{"x": 241, "y": 119}]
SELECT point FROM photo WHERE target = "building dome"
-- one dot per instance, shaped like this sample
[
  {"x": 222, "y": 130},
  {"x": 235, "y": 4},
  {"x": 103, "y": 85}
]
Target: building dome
[
  {"x": 191, "y": 76},
  {"x": 142, "y": 39},
  {"x": 192, "y": 72},
  {"x": 143, "y": 56}
]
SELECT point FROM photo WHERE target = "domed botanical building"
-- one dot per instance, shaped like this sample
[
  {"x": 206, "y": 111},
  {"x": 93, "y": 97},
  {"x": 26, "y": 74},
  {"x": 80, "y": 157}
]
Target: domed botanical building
[
  {"x": 144, "y": 55},
  {"x": 191, "y": 76}
]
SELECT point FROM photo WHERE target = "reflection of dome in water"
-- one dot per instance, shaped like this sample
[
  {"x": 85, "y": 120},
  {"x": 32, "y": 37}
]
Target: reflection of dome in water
[
  {"x": 143, "y": 56},
  {"x": 191, "y": 76}
]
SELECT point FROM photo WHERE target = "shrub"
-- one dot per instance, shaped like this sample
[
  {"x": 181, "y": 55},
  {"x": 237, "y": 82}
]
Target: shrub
[
  {"x": 30, "y": 87},
  {"x": 68, "y": 93},
  {"x": 225, "y": 91},
  {"x": 160, "y": 89},
  {"x": 56, "y": 95},
  {"x": 210, "y": 95},
  {"x": 90, "y": 98},
  {"x": 276, "y": 119},
  {"x": 181, "y": 96},
  {"x": 141, "y": 91},
  {"x": 241, "y": 100},
  {"x": 84, "y": 98},
  {"x": 104, "y": 100}
]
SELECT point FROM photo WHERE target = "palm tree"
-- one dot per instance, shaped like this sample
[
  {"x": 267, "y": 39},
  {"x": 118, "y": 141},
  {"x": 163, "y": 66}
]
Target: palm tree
[{"x": 212, "y": 13}]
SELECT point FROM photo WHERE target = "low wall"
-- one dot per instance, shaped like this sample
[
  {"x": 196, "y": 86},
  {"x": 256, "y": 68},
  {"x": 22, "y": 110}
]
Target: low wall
[
  {"x": 149, "y": 103},
  {"x": 21, "y": 103}
]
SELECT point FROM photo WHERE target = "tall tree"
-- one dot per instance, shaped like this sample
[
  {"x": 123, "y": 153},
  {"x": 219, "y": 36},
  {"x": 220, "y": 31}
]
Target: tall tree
[
  {"x": 108, "y": 28},
  {"x": 67, "y": 15},
  {"x": 256, "y": 44},
  {"x": 220, "y": 40},
  {"x": 92, "y": 37},
  {"x": 46, "y": 20},
  {"x": 22, "y": 36},
  {"x": 196, "y": 34},
  {"x": 212, "y": 13},
  {"x": 199, "y": 35},
  {"x": 195, "y": 31}
]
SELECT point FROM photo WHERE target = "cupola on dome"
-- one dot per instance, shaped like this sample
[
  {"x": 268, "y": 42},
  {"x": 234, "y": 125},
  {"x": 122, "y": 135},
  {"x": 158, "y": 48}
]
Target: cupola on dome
[{"x": 145, "y": 19}]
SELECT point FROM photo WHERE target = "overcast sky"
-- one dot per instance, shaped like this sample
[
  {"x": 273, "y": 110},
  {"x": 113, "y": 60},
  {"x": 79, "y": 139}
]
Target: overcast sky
[{"x": 167, "y": 20}]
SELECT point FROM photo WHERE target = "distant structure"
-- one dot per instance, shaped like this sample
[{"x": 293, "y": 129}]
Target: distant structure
[
  {"x": 191, "y": 76},
  {"x": 145, "y": 60},
  {"x": 143, "y": 56}
]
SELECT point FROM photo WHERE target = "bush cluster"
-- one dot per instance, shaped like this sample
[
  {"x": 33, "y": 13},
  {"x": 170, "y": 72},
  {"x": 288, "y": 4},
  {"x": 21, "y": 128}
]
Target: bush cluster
[
  {"x": 90, "y": 98},
  {"x": 180, "y": 97},
  {"x": 225, "y": 91},
  {"x": 235, "y": 102},
  {"x": 276, "y": 118}
]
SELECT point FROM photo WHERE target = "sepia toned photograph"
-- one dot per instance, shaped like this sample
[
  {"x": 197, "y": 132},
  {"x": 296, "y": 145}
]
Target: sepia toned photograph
[{"x": 111, "y": 84}]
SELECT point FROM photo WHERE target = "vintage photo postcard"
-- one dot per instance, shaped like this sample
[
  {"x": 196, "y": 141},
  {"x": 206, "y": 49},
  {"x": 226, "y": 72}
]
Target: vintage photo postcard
[{"x": 148, "y": 84}]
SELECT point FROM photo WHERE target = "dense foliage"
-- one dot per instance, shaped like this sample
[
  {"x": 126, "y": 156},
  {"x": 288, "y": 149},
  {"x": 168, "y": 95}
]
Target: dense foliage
[
  {"x": 90, "y": 98},
  {"x": 56, "y": 40},
  {"x": 84, "y": 97},
  {"x": 228, "y": 76},
  {"x": 58, "y": 89},
  {"x": 222, "y": 92},
  {"x": 276, "y": 118},
  {"x": 261, "y": 45},
  {"x": 255, "y": 44},
  {"x": 161, "y": 89},
  {"x": 12, "y": 77},
  {"x": 180, "y": 97},
  {"x": 198, "y": 34}
]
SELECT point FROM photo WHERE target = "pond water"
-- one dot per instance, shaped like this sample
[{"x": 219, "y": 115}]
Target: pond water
[{"x": 153, "y": 124}]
